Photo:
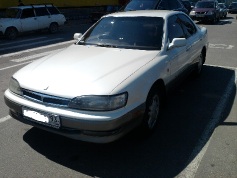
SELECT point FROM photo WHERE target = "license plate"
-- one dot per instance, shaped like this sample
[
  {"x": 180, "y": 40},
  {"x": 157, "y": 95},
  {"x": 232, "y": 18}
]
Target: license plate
[
  {"x": 200, "y": 15},
  {"x": 51, "y": 120}
]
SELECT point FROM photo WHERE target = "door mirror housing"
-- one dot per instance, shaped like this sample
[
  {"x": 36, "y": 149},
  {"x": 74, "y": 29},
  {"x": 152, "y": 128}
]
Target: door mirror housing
[
  {"x": 177, "y": 42},
  {"x": 77, "y": 36}
]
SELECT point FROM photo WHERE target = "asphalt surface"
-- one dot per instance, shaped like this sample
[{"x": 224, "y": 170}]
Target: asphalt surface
[{"x": 196, "y": 136}]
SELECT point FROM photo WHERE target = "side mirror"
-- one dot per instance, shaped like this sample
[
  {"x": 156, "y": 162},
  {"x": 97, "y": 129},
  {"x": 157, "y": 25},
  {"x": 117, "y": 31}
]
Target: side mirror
[
  {"x": 77, "y": 36},
  {"x": 178, "y": 42}
]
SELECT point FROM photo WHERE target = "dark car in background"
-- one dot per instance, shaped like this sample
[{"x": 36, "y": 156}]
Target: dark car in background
[
  {"x": 206, "y": 10},
  {"x": 233, "y": 8},
  {"x": 187, "y": 4},
  {"x": 95, "y": 16},
  {"x": 175, "y": 5},
  {"x": 223, "y": 10}
]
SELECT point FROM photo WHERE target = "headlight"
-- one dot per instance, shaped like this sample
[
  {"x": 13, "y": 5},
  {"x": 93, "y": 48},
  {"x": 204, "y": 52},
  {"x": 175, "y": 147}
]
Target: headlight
[
  {"x": 15, "y": 87},
  {"x": 210, "y": 13},
  {"x": 192, "y": 13},
  {"x": 99, "y": 103}
]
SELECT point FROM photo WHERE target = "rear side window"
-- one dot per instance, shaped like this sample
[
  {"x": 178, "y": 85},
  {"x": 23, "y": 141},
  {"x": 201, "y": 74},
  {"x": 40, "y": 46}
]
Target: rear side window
[
  {"x": 188, "y": 26},
  {"x": 53, "y": 10},
  {"x": 27, "y": 13},
  {"x": 41, "y": 11}
]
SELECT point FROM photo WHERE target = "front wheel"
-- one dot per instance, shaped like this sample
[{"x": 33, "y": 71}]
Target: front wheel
[
  {"x": 11, "y": 33},
  {"x": 153, "y": 108}
]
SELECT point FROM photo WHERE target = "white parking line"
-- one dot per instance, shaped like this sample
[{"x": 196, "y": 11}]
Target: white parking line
[
  {"x": 20, "y": 41},
  {"x": 204, "y": 141},
  {"x": 9, "y": 67},
  {"x": 35, "y": 49},
  {"x": 29, "y": 44},
  {"x": 5, "y": 119},
  {"x": 35, "y": 56}
]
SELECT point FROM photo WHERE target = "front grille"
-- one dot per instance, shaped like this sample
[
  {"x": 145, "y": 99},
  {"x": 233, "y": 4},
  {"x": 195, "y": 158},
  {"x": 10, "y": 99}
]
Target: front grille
[
  {"x": 200, "y": 12},
  {"x": 46, "y": 99}
]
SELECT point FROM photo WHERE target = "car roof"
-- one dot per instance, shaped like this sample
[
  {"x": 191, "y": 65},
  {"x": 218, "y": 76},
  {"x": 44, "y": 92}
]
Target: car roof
[
  {"x": 144, "y": 13},
  {"x": 30, "y": 6}
]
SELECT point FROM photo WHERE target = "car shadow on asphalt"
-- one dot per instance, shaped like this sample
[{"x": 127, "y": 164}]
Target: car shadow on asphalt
[{"x": 165, "y": 153}]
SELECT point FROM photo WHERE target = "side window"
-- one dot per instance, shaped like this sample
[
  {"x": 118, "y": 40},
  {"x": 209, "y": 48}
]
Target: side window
[
  {"x": 174, "y": 4},
  {"x": 27, "y": 13},
  {"x": 41, "y": 11},
  {"x": 53, "y": 10},
  {"x": 174, "y": 29},
  {"x": 188, "y": 27}
]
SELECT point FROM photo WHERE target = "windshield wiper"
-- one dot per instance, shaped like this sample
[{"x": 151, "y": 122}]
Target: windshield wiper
[{"x": 106, "y": 45}]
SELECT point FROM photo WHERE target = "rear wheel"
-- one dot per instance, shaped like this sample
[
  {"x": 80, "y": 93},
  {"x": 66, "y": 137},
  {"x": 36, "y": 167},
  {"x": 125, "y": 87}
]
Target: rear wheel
[
  {"x": 53, "y": 28},
  {"x": 199, "y": 66},
  {"x": 11, "y": 33}
]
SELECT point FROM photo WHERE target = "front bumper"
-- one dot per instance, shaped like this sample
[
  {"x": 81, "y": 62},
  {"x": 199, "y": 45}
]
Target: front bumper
[
  {"x": 97, "y": 127},
  {"x": 205, "y": 17}
]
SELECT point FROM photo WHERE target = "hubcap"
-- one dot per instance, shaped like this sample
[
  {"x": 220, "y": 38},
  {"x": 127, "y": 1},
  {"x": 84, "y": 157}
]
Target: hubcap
[{"x": 154, "y": 109}]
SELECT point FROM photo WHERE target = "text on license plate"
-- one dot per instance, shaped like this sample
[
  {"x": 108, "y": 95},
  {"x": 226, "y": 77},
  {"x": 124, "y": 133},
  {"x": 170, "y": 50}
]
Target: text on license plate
[{"x": 46, "y": 119}]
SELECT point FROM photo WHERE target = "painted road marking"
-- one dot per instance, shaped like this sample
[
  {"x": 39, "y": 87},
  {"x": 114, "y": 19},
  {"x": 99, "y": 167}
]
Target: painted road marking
[
  {"x": 16, "y": 54},
  {"x": 204, "y": 141},
  {"x": 5, "y": 119},
  {"x": 20, "y": 41},
  {"x": 29, "y": 44},
  {"x": 221, "y": 46},
  {"x": 9, "y": 67},
  {"x": 35, "y": 56}
]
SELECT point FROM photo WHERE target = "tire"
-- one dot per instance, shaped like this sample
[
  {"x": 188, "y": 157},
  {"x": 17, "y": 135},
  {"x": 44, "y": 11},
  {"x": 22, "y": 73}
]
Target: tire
[
  {"x": 153, "y": 108},
  {"x": 199, "y": 65},
  {"x": 11, "y": 33},
  {"x": 53, "y": 28},
  {"x": 214, "y": 20}
]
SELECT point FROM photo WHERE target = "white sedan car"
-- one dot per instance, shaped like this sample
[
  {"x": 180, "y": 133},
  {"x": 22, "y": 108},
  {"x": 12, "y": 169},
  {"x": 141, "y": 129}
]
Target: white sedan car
[{"x": 114, "y": 78}]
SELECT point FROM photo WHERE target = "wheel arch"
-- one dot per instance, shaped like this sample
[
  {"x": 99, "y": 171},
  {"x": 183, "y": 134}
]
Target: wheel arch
[
  {"x": 11, "y": 27},
  {"x": 159, "y": 85}
]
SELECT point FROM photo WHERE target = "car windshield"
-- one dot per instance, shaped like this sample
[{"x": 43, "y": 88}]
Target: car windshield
[
  {"x": 204, "y": 4},
  {"x": 12, "y": 13},
  {"x": 140, "y": 5},
  {"x": 222, "y": 5},
  {"x": 143, "y": 33}
]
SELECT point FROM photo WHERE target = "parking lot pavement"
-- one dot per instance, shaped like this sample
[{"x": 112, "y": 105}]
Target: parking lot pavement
[{"x": 220, "y": 159}]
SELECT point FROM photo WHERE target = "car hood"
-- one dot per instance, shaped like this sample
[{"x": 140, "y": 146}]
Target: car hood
[
  {"x": 203, "y": 9},
  {"x": 80, "y": 70}
]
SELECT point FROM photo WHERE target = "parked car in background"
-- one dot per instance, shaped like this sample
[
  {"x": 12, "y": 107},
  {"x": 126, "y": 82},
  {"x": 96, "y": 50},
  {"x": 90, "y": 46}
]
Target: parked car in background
[
  {"x": 30, "y": 18},
  {"x": 187, "y": 5},
  {"x": 193, "y": 4},
  {"x": 206, "y": 10},
  {"x": 232, "y": 8},
  {"x": 95, "y": 16},
  {"x": 113, "y": 79},
  {"x": 175, "y": 5},
  {"x": 223, "y": 10}
]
